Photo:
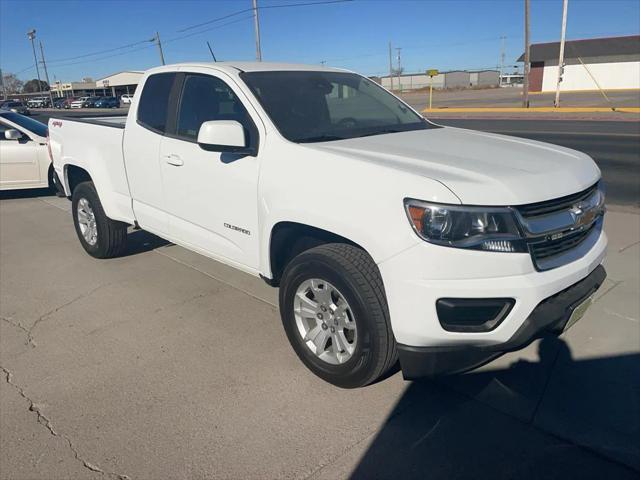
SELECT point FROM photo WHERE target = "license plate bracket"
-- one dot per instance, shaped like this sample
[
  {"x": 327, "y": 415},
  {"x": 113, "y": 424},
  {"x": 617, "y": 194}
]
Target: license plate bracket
[{"x": 578, "y": 312}]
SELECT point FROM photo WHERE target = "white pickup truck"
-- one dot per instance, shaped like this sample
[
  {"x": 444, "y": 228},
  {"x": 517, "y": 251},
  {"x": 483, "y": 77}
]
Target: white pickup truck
[{"x": 390, "y": 237}]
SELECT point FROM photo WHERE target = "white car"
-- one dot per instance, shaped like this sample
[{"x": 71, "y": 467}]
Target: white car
[
  {"x": 79, "y": 103},
  {"x": 37, "y": 102},
  {"x": 389, "y": 236},
  {"x": 24, "y": 160},
  {"x": 126, "y": 98}
]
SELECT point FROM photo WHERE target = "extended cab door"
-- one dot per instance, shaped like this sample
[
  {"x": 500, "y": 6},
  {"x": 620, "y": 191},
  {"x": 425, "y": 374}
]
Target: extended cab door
[
  {"x": 211, "y": 196},
  {"x": 141, "y": 146}
]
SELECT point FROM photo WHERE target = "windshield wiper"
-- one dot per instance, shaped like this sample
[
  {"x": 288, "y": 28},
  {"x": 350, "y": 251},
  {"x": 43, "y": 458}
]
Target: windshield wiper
[
  {"x": 381, "y": 132},
  {"x": 319, "y": 138}
]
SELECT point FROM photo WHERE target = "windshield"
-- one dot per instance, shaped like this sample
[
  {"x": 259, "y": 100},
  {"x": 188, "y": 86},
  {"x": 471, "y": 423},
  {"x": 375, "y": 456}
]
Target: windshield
[
  {"x": 27, "y": 123},
  {"x": 311, "y": 106}
]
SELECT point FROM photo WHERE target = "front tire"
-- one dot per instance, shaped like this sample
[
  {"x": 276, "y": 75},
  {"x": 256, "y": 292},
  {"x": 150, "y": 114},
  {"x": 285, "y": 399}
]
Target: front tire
[
  {"x": 100, "y": 236},
  {"x": 334, "y": 312}
]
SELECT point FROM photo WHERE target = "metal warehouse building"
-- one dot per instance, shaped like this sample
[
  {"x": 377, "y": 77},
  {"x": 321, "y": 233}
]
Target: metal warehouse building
[
  {"x": 607, "y": 63},
  {"x": 452, "y": 79}
]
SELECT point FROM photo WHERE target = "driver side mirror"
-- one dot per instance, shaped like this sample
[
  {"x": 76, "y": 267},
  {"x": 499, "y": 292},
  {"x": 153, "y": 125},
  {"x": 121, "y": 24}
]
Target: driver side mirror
[
  {"x": 224, "y": 136},
  {"x": 13, "y": 134}
]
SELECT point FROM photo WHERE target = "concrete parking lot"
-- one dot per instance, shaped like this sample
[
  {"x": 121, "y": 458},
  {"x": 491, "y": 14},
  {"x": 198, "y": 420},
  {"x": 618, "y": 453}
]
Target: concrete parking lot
[{"x": 165, "y": 364}]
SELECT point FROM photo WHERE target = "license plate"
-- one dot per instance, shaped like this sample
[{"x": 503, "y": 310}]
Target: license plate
[{"x": 578, "y": 313}]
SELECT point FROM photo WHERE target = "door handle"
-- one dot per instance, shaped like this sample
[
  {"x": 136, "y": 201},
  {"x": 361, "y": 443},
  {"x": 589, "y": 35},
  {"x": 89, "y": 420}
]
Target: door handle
[{"x": 173, "y": 159}]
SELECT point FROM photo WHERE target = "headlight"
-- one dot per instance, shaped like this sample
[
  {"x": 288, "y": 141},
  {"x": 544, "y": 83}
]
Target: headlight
[{"x": 479, "y": 228}]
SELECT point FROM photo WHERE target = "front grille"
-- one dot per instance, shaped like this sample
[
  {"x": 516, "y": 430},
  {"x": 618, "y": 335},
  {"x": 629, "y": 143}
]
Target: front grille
[
  {"x": 555, "y": 205},
  {"x": 549, "y": 248}
]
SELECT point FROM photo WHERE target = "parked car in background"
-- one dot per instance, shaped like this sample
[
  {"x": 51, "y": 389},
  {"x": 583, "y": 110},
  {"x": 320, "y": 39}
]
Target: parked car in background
[
  {"x": 68, "y": 101},
  {"x": 126, "y": 98},
  {"x": 78, "y": 102},
  {"x": 107, "y": 102},
  {"x": 91, "y": 102},
  {"x": 16, "y": 107},
  {"x": 58, "y": 102},
  {"x": 24, "y": 156},
  {"x": 437, "y": 246},
  {"x": 38, "y": 102}
]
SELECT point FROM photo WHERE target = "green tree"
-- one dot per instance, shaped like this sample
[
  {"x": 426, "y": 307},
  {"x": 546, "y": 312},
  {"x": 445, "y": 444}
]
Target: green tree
[{"x": 32, "y": 86}]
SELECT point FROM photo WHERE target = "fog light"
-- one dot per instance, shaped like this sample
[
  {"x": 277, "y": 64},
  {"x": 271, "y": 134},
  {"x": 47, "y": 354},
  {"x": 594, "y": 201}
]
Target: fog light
[{"x": 472, "y": 314}]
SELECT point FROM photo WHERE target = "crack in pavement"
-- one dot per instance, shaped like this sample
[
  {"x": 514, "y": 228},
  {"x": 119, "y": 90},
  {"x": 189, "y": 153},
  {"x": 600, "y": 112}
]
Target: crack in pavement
[
  {"x": 15, "y": 324},
  {"x": 46, "y": 422},
  {"x": 628, "y": 246},
  {"x": 30, "y": 341}
]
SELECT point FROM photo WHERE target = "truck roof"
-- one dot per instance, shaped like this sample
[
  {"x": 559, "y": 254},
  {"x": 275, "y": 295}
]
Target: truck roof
[{"x": 256, "y": 66}]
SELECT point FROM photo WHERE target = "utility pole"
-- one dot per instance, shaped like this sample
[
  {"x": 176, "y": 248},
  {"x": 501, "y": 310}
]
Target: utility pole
[
  {"x": 4, "y": 89},
  {"x": 391, "y": 66},
  {"x": 46, "y": 74},
  {"x": 525, "y": 93},
  {"x": 565, "y": 5},
  {"x": 160, "y": 48},
  {"x": 211, "y": 51},
  {"x": 502, "y": 48},
  {"x": 256, "y": 23},
  {"x": 399, "y": 71},
  {"x": 31, "y": 35}
]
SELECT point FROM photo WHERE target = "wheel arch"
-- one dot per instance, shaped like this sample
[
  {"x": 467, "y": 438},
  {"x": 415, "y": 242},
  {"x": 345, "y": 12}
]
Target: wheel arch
[
  {"x": 289, "y": 239},
  {"x": 73, "y": 175}
]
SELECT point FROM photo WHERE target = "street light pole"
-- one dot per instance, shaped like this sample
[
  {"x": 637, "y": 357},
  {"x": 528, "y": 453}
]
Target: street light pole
[
  {"x": 525, "y": 94},
  {"x": 46, "y": 74},
  {"x": 390, "y": 67},
  {"x": 256, "y": 23},
  {"x": 565, "y": 5},
  {"x": 31, "y": 35}
]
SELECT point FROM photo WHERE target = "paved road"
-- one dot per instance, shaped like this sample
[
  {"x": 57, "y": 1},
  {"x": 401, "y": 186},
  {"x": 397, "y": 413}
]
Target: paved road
[
  {"x": 512, "y": 97},
  {"x": 615, "y": 146}
]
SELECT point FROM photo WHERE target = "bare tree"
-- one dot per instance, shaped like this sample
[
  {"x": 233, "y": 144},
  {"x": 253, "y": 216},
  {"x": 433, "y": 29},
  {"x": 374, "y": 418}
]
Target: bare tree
[{"x": 11, "y": 84}]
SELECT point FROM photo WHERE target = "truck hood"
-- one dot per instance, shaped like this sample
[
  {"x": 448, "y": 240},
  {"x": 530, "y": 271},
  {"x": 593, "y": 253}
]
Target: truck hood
[{"x": 479, "y": 168}]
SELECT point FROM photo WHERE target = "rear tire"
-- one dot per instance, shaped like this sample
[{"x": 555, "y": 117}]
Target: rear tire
[
  {"x": 100, "y": 236},
  {"x": 354, "y": 280}
]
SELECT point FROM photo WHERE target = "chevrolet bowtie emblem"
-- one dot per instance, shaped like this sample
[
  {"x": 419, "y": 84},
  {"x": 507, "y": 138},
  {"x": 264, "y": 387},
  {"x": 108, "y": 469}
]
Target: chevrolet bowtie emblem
[{"x": 582, "y": 215}]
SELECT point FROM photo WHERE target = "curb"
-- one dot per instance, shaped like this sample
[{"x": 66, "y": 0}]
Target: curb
[{"x": 531, "y": 109}]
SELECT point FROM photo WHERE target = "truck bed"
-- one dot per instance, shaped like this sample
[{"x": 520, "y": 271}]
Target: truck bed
[
  {"x": 94, "y": 145},
  {"x": 116, "y": 121}
]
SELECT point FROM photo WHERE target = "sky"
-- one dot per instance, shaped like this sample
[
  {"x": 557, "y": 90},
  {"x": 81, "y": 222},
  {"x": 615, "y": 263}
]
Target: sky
[{"x": 441, "y": 34}]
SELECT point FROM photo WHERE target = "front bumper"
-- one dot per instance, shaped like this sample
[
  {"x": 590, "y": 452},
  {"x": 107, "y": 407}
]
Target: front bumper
[
  {"x": 550, "y": 316},
  {"x": 416, "y": 278}
]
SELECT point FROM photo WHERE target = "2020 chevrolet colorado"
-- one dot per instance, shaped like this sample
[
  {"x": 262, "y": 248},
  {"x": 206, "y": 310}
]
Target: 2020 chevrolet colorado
[{"x": 389, "y": 236}]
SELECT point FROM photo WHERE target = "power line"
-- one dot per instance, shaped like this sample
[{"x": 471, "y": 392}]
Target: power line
[
  {"x": 151, "y": 45},
  {"x": 30, "y": 67},
  {"x": 286, "y": 5},
  {"x": 106, "y": 56},
  {"x": 102, "y": 51},
  {"x": 180, "y": 37}
]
